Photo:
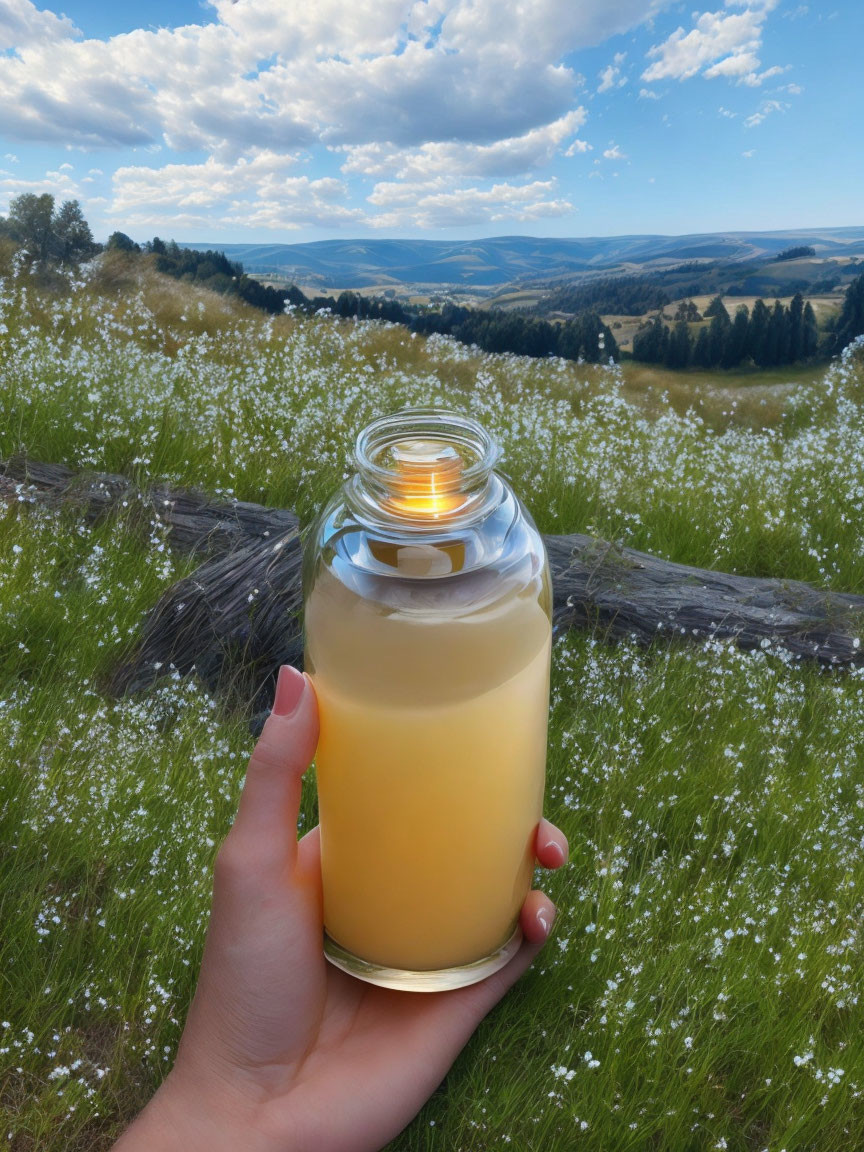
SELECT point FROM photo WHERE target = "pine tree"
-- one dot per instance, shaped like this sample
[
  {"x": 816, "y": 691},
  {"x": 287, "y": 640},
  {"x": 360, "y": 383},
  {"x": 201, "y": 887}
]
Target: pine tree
[
  {"x": 570, "y": 340},
  {"x": 736, "y": 340},
  {"x": 680, "y": 346},
  {"x": 851, "y": 320},
  {"x": 716, "y": 308},
  {"x": 648, "y": 342},
  {"x": 758, "y": 333},
  {"x": 777, "y": 341},
  {"x": 810, "y": 333},
  {"x": 718, "y": 336},
  {"x": 702, "y": 350},
  {"x": 72, "y": 238},
  {"x": 796, "y": 328}
]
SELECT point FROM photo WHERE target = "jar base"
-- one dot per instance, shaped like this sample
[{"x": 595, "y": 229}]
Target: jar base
[{"x": 440, "y": 980}]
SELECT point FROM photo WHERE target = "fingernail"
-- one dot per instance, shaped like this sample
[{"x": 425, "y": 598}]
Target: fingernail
[
  {"x": 556, "y": 848},
  {"x": 289, "y": 689},
  {"x": 546, "y": 917}
]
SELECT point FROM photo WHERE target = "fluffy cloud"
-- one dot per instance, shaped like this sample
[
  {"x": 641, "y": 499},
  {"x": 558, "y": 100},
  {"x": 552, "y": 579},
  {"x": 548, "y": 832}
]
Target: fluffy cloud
[
  {"x": 255, "y": 192},
  {"x": 438, "y": 206},
  {"x": 59, "y": 182},
  {"x": 721, "y": 44},
  {"x": 444, "y": 99},
  {"x": 508, "y": 157},
  {"x": 22, "y": 24},
  {"x": 280, "y": 74}
]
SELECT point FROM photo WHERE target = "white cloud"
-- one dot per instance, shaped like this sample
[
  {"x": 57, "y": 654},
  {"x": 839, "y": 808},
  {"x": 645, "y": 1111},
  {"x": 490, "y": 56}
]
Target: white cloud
[
  {"x": 257, "y": 192},
  {"x": 280, "y": 74},
  {"x": 738, "y": 64},
  {"x": 507, "y": 157},
  {"x": 11, "y": 158},
  {"x": 59, "y": 184},
  {"x": 722, "y": 43},
  {"x": 749, "y": 153},
  {"x": 22, "y": 24},
  {"x": 766, "y": 109},
  {"x": 721, "y": 111},
  {"x": 577, "y": 148},
  {"x": 613, "y": 152},
  {"x": 647, "y": 94},
  {"x": 431, "y": 206},
  {"x": 407, "y": 89},
  {"x": 611, "y": 76}
]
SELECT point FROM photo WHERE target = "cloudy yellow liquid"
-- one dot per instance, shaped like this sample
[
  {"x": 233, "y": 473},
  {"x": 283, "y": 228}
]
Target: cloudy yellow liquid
[{"x": 431, "y": 768}]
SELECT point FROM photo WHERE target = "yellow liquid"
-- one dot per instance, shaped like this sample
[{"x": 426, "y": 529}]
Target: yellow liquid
[{"x": 431, "y": 768}]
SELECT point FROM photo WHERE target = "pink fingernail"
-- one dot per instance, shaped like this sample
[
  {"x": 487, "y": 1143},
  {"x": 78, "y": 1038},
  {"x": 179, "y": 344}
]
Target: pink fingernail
[
  {"x": 547, "y": 919},
  {"x": 289, "y": 689},
  {"x": 556, "y": 847}
]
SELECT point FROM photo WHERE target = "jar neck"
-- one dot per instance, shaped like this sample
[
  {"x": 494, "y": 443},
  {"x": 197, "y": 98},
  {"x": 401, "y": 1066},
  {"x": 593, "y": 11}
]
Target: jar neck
[{"x": 424, "y": 470}]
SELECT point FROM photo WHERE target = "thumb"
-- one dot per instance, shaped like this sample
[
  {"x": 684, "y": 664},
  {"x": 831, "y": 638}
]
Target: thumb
[{"x": 265, "y": 829}]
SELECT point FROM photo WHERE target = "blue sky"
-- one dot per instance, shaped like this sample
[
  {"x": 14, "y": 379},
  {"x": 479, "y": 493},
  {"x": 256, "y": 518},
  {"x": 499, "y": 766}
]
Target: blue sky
[{"x": 285, "y": 120}]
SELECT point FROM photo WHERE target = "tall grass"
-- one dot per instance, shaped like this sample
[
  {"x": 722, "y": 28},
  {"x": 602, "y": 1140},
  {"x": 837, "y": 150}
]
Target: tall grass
[{"x": 703, "y": 987}]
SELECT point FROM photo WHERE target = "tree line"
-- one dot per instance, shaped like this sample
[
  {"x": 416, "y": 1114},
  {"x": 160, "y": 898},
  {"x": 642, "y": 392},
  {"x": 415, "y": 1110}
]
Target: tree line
[
  {"x": 210, "y": 269},
  {"x": 584, "y": 336},
  {"x": 618, "y": 296},
  {"x": 767, "y": 337},
  {"x": 492, "y": 330}
]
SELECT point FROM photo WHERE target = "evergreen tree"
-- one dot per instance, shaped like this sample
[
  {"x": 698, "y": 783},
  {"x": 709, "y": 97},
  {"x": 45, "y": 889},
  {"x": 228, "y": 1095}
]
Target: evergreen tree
[
  {"x": 851, "y": 320},
  {"x": 810, "y": 333},
  {"x": 777, "y": 339},
  {"x": 736, "y": 339},
  {"x": 72, "y": 238},
  {"x": 119, "y": 241},
  {"x": 648, "y": 342},
  {"x": 795, "y": 328},
  {"x": 688, "y": 311},
  {"x": 702, "y": 350},
  {"x": 718, "y": 335},
  {"x": 757, "y": 334},
  {"x": 679, "y": 347},
  {"x": 716, "y": 308},
  {"x": 570, "y": 340}
]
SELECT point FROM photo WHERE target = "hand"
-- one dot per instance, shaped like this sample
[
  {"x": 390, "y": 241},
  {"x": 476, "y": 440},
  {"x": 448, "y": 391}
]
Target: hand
[{"x": 281, "y": 1051}]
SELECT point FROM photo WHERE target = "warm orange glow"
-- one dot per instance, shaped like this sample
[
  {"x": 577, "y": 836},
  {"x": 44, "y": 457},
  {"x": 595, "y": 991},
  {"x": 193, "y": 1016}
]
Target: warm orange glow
[{"x": 426, "y": 481}]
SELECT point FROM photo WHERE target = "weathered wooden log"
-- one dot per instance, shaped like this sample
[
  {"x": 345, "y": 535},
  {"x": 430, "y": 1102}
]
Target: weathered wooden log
[
  {"x": 196, "y": 522},
  {"x": 238, "y": 616}
]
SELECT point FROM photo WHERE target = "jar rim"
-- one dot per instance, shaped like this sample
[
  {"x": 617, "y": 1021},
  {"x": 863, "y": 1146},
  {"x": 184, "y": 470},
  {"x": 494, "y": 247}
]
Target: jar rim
[
  {"x": 463, "y": 491},
  {"x": 432, "y": 422}
]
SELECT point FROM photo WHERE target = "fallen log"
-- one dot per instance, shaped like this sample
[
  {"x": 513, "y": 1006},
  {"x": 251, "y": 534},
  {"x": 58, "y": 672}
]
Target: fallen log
[
  {"x": 237, "y": 617},
  {"x": 196, "y": 521}
]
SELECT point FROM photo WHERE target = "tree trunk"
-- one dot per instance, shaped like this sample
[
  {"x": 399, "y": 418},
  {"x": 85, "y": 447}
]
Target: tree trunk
[{"x": 238, "y": 616}]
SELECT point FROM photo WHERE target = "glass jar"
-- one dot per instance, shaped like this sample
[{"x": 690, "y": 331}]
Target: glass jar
[{"x": 428, "y": 607}]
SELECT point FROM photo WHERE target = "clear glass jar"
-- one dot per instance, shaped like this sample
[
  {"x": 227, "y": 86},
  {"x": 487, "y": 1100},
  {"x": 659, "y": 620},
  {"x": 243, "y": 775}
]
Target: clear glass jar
[{"x": 428, "y": 606}]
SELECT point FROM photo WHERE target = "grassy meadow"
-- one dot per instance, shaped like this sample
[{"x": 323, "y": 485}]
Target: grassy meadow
[{"x": 703, "y": 986}]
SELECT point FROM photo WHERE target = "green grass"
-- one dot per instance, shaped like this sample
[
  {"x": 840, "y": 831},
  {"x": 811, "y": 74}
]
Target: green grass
[{"x": 708, "y": 953}]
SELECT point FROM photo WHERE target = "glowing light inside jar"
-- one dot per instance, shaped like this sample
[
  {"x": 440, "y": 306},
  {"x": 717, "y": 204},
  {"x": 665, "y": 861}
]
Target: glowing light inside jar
[{"x": 426, "y": 479}]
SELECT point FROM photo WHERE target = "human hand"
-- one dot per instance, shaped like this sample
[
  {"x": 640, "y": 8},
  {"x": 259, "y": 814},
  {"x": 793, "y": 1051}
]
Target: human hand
[{"x": 283, "y": 1052}]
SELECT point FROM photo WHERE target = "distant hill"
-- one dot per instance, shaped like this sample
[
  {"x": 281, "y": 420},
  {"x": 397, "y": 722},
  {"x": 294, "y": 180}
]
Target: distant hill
[{"x": 503, "y": 260}]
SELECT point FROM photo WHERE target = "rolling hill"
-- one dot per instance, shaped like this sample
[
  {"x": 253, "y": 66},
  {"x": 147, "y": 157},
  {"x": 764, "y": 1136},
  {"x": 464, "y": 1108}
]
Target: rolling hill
[{"x": 501, "y": 260}]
